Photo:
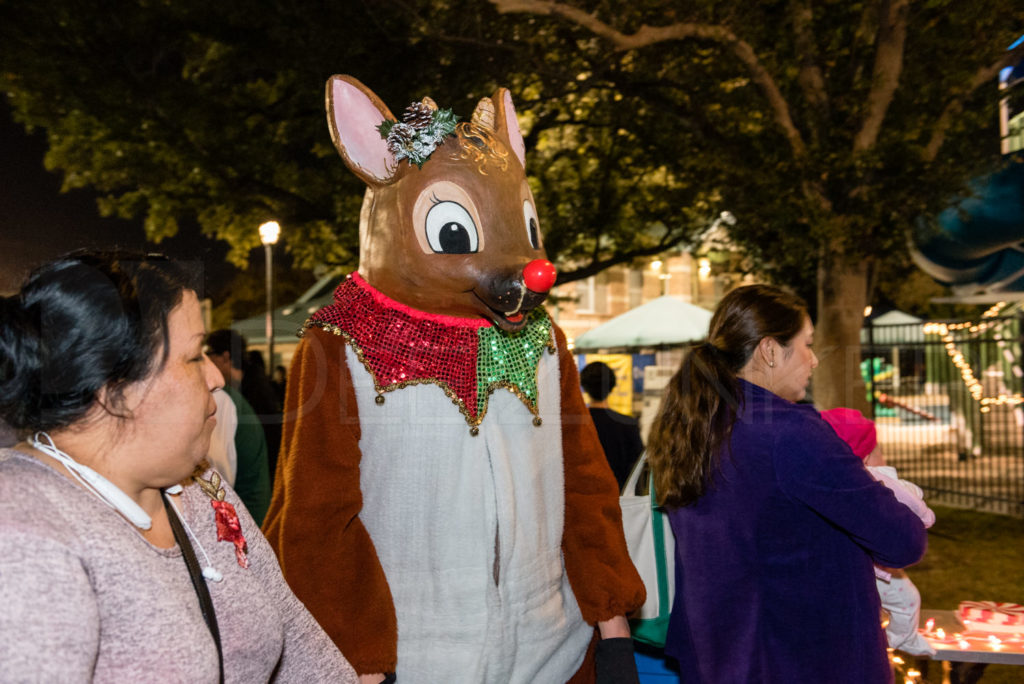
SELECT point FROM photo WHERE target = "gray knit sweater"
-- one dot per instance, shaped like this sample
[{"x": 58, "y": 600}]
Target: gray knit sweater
[{"x": 84, "y": 597}]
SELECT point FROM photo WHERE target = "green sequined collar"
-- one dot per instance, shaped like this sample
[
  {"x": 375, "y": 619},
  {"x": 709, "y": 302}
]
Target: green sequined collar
[{"x": 400, "y": 346}]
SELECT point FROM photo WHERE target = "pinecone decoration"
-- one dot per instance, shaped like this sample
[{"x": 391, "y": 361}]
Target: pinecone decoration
[
  {"x": 418, "y": 115},
  {"x": 422, "y": 129},
  {"x": 400, "y": 137}
]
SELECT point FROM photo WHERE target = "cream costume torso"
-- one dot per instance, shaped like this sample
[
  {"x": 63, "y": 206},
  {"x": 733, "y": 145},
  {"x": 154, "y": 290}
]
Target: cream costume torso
[{"x": 442, "y": 504}]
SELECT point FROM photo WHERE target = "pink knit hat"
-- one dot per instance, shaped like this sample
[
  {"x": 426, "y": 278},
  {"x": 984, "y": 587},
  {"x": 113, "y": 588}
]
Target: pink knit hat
[{"x": 853, "y": 428}]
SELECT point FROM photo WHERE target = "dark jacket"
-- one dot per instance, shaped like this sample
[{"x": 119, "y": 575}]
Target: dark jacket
[
  {"x": 620, "y": 439},
  {"x": 774, "y": 564},
  {"x": 252, "y": 475}
]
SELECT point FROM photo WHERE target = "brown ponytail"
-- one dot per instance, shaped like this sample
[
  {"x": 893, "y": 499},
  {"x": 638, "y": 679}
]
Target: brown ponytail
[{"x": 699, "y": 407}]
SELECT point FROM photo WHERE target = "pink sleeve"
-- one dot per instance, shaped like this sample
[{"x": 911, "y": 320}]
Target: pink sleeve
[{"x": 907, "y": 493}]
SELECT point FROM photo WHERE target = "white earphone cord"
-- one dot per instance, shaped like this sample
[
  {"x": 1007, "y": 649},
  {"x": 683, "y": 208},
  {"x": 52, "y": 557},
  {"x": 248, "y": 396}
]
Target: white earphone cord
[
  {"x": 69, "y": 463},
  {"x": 209, "y": 572},
  {"x": 110, "y": 494},
  {"x": 102, "y": 488}
]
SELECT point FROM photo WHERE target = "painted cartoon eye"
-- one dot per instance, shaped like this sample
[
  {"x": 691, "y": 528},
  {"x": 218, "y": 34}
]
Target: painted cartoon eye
[
  {"x": 532, "y": 224},
  {"x": 450, "y": 229}
]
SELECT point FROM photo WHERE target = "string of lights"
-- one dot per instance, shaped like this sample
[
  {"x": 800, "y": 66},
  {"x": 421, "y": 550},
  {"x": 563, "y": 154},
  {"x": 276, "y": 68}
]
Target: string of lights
[
  {"x": 973, "y": 640},
  {"x": 966, "y": 640},
  {"x": 901, "y": 668},
  {"x": 946, "y": 332}
]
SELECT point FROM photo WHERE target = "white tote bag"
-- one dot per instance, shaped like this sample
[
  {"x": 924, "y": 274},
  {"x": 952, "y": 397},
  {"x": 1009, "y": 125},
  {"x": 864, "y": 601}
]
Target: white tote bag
[{"x": 652, "y": 548}]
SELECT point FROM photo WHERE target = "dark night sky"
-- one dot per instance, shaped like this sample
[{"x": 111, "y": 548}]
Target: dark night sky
[{"x": 38, "y": 222}]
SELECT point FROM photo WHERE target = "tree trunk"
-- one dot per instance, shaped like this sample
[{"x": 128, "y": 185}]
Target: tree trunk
[{"x": 842, "y": 296}]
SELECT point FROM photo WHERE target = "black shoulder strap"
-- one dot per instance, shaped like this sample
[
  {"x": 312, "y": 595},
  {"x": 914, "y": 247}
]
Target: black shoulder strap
[{"x": 198, "y": 582}]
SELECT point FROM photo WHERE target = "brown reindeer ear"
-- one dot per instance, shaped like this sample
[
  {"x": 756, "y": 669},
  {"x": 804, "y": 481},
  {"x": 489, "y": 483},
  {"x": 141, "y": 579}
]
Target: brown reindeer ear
[
  {"x": 483, "y": 115},
  {"x": 353, "y": 114},
  {"x": 505, "y": 122}
]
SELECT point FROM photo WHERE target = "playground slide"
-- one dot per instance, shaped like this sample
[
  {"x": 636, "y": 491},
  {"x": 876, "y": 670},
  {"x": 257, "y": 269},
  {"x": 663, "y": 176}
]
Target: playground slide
[
  {"x": 886, "y": 404},
  {"x": 978, "y": 242},
  {"x": 890, "y": 402}
]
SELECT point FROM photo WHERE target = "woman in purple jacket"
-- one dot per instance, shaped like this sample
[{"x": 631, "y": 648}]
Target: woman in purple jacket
[{"x": 777, "y": 523}]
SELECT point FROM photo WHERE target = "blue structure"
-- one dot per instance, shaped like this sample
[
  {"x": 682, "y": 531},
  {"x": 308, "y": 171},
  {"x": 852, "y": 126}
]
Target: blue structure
[
  {"x": 654, "y": 668},
  {"x": 979, "y": 241},
  {"x": 977, "y": 245}
]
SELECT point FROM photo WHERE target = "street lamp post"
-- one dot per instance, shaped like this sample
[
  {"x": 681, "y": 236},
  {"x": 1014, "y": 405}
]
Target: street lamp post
[{"x": 269, "y": 232}]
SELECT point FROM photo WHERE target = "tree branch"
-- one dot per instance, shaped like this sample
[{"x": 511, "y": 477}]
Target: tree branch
[
  {"x": 598, "y": 265},
  {"x": 862, "y": 40},
  {"x": 646, "y": 36},
  {"x": 982, "y": 76},
  {"x": 811, "y": 79},
  {"x": 891, "y": 38}
]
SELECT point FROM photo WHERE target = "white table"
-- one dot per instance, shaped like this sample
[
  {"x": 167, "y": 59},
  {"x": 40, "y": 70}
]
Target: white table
[{"x": 966, "y": 654}]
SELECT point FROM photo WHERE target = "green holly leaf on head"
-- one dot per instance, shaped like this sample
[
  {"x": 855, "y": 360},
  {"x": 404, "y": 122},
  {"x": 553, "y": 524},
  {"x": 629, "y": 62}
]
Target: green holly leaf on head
[{"x": 385, "y": 127}]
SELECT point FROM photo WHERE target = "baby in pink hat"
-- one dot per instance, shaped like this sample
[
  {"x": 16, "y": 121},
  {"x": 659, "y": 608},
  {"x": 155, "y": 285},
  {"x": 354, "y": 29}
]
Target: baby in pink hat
[{"x": 900, "y": 597}]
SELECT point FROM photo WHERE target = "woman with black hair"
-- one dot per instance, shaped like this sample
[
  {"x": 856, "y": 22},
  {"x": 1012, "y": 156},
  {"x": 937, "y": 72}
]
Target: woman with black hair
[
  {"x": 776, "y": 522},
  {"x": 122, "y": 557}
]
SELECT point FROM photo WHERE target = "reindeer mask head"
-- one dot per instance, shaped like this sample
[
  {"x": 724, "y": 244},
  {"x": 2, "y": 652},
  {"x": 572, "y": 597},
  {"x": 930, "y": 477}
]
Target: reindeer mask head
[{"x": 456, "y": 234}]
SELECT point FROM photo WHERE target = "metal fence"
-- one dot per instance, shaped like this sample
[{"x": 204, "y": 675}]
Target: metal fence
[{"x": 947, "y": 402}]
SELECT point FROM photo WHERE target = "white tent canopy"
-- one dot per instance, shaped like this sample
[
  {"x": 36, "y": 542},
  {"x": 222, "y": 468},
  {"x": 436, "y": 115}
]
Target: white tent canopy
[
  {"x": 665, "y": 321},
  {"x": 893, "y": 328}
]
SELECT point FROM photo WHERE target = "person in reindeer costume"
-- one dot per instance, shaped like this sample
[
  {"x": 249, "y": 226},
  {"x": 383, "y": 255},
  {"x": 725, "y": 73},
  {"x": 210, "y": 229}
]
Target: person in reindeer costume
[{"x": 442, "y": 504}]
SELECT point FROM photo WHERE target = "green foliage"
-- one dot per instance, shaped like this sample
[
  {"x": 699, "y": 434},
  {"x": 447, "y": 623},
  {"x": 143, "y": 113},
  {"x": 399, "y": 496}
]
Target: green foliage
[
  {"x": 214, "y": 111},
  {"x": 907, "y": 288},
  {"x": 245, "y": 295},
  {"x": 211, "y": 111},
  {"x": 716, "y": 120}
]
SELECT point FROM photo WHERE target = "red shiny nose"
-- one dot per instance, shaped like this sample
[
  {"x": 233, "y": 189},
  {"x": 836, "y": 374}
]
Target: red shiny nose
[{"x": 539, "y": 275}]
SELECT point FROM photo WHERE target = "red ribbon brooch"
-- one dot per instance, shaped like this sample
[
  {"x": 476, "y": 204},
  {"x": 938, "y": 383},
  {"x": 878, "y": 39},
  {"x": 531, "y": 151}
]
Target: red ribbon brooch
[{"x": 228, "y": 526}]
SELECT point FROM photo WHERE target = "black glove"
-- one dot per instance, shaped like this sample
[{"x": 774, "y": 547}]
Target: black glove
[
  {"x": 389, "y": 678},
  {"x": 614, "y": 661}
]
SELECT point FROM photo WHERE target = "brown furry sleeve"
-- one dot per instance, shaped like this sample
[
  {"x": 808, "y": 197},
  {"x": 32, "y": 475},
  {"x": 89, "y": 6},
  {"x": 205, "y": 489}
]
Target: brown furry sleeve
[
  {"x": 313, "y": 523},
  {"x": 601, "y": 574}
]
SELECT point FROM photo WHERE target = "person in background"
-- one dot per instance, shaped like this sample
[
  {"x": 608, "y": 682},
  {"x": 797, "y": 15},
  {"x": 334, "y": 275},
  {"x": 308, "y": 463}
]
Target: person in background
[
  {"x": 619, "y": 434},
  {"x": 777, "y": 524},
  {"x": 279, "y": 381},
  {"x": 102, "y": 374},
  {"x": 223, "y": 455},
  {"x": 900, "y": 598},
  {"x": 226, "y": 349},
  {"x": 256, "y": 385},
  {"x": 258, "y": 390}
]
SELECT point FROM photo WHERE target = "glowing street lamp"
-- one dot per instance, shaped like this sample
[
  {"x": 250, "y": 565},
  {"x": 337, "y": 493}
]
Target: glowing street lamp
[{"x": 269, "y": 232}]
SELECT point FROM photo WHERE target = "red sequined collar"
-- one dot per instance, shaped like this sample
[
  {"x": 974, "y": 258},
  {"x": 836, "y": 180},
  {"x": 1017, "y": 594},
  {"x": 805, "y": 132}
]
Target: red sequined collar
[{"x": 466, "y": 357}]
